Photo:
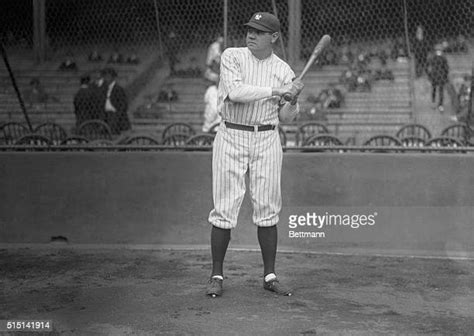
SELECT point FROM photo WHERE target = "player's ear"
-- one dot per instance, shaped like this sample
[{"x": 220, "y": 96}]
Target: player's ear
[{"x": 275, "y": 37}]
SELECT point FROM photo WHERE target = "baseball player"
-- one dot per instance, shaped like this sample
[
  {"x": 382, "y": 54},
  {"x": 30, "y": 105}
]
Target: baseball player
[{"x": 252, "y": 82}]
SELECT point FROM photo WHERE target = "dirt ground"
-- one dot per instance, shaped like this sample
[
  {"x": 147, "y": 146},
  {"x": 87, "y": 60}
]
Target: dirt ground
[{"x": 161, "y": 292}]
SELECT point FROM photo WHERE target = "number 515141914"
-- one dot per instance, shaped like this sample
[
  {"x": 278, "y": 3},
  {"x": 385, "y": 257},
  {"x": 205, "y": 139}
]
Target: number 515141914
[{"x": 26, "y": 325}]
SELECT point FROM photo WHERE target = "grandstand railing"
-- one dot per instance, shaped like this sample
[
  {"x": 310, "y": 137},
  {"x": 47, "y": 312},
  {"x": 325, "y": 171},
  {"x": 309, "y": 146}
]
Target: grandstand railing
[{"x": 344, "y": 149}]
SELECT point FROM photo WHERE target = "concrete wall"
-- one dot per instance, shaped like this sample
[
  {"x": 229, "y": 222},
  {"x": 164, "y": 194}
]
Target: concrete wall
[{"x": 416, "y": 203}]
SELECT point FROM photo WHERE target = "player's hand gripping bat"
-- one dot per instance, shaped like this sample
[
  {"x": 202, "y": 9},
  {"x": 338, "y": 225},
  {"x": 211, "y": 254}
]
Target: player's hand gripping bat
[{"x": 322, "y": 44}]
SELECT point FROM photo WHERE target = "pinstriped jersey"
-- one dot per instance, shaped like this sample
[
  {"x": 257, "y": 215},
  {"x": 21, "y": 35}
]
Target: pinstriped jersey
[{"x": 240, "y": 66}]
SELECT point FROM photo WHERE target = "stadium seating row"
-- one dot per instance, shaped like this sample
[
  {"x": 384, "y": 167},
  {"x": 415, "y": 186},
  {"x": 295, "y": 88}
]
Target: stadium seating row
[{"x": 98, "y": 133}]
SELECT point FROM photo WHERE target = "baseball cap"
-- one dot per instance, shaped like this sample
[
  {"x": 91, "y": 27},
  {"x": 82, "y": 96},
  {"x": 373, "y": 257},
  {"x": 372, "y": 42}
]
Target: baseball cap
[{"x": 263, "y": 21}]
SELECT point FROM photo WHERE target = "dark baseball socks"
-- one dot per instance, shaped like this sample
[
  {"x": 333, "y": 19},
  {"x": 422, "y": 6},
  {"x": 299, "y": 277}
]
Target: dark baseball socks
[
  {"x": 267, "y": 238},
  {"x": 220, "y": 239}
]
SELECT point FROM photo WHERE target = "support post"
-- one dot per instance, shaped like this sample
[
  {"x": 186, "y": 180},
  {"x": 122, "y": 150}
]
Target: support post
[
  {"x": 294, "y": 32},
  {"x": 39, "y": 30}
]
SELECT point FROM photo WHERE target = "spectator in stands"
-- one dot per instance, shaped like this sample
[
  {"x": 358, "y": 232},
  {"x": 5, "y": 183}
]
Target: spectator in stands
[
  {"x": 329, "y": 57},
  {"x": 115, "y": 102},
  {"x": 172, "y": 47},
  {"x": 98, "y": 89},
  {"x": 362, "y": 61},
  {"x": 132, "y": 58},
  {"x": 438, "y": 71},
  {"x": 193, "y": 70},
  {"x": 363, "y": 81},
  {"x": 463, "y": 96},
  {"x": 214, "y": 51},
  {"x": 347, "y": 57},
  {"x": 420, "y": 51},
  {"x": 331, "y": 97},
  {"x": 36, "y": 94},
  {"x": 85, "y": 101},
  {"x": 356, "y": 78},
  {"x": 211, "y": 116},
  {"x": 115, "y": 58},
  {"x": 349, "y": 78},
  {"x": 69, "y": 64},
  {"x": 97, "y": 79},
  {"x": 167, "y": 94},
  {"x": 465, "y": 92},
  {"x": 335, "y": 97},
  {"x": 399, "y": 50},
  {"x": 458, "y": 45},
  {"x": 382, "y": 55},
  {"x": 213, "y": 59},
  {"x": 95, "y": 56},
  {"x": 383, "y": 73},
  {"x": 363, "y": 75},
  {"x": 314, "y": 111}
]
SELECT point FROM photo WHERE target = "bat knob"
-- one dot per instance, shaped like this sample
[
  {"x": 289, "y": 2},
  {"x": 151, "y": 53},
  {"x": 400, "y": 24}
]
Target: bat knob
[{"x": 287, "y": 97}]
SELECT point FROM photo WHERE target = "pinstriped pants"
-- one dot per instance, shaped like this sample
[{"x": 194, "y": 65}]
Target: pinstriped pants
[{"x": 236, "y": 152}]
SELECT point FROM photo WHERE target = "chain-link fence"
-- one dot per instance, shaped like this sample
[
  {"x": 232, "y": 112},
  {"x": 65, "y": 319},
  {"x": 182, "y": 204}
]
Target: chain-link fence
[
  {"x": 110, "y": 23},
  {"x": 141, "y": 23},
  {"x": 16, "y": 26},
  {"x": 387, "y": 29},
  {"x": 80, "y": 25}
]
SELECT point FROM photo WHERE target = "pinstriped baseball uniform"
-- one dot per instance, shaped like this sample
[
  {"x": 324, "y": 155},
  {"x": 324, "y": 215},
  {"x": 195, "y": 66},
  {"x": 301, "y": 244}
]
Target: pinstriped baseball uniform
[{"x": 236, "y": 151}]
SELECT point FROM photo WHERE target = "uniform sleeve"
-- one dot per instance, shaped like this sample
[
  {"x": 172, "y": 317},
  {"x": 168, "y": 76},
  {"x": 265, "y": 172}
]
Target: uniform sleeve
[
  {"x": 290, "y": 76},
  {"x": 231, "y": 79},
  {"x": 288, "y": 112}
]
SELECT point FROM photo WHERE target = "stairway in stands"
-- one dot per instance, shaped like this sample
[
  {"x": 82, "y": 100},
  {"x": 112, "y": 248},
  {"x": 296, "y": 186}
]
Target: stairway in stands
[
  {"x": 364, "y": 114},
  {"x": 188, "y": 108},
  {"x": 382, "y": 111},
  {"x": 61, "y": 84}
]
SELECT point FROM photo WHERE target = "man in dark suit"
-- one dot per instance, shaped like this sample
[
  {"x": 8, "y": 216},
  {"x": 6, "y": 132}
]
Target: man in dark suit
[
  {"x": 115, "y": 102},
  {"x": 420, "y": 50},
  {"x": 438, "y": 74},
  {"x": 86, "y": 104}
]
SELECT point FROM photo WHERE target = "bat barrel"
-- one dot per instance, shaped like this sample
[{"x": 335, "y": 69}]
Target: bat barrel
[{"x": 322, "y": 44}]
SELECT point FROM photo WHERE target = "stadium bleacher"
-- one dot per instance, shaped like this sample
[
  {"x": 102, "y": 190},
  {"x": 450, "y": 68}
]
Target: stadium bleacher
[
  {"x": 383, "y": 110},
  {"x": 60, "y": 84}
]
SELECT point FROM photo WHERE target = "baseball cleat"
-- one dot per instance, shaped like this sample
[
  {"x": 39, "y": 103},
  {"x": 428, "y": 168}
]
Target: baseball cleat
[
  {"x": 276, "y": 287},
  {"x": 214, "y": 287}
]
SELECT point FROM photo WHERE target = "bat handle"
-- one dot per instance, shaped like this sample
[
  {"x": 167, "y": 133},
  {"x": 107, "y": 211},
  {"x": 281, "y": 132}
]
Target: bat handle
[{"x": 287, "y": 97}]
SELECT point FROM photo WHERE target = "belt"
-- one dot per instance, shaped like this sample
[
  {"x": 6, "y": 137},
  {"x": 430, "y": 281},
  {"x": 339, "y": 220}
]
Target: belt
[{"x": 241, "y": 127}]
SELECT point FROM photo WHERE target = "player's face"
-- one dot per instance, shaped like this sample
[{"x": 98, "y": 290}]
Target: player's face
[{"x": 259, "y": 40}]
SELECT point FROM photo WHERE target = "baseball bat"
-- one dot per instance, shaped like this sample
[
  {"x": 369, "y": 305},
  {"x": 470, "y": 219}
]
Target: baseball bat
[{"x": 322, "y": 44}]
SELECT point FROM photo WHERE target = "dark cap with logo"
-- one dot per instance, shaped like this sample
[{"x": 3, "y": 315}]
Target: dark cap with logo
[{"x": 265, "y": 22}]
